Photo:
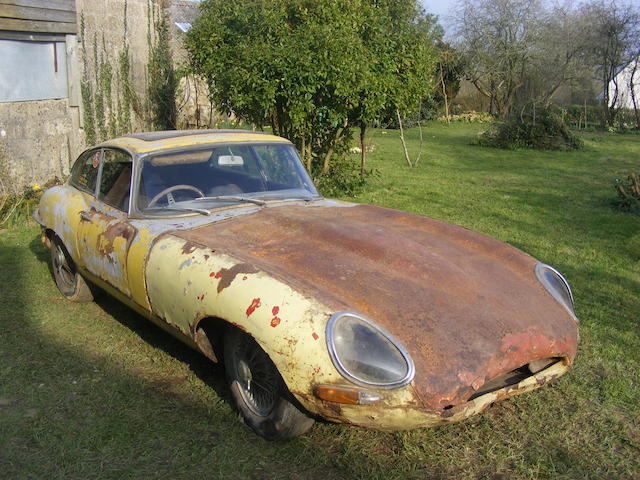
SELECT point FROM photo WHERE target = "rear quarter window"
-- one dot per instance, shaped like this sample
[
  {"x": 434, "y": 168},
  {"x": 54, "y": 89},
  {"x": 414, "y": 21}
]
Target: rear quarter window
[{"x": 84, "y": 173}]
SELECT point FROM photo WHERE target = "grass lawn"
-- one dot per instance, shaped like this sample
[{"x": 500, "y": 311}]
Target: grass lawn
[{"x": 95, "y": 391}]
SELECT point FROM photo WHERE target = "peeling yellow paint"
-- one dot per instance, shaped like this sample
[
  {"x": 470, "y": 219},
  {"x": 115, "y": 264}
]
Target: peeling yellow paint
[
  {"x": 136, "y": 267},
  {"x": 287, "y": 325}
]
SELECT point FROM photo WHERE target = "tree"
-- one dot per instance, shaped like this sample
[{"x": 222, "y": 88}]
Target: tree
[
  {"x": 520, "y": 52},
  {"x": 495, "y": 38},
  {"x": 557, "y": 55},
  {"x": 399, "y": 47},
  {"x": 311, "y": 69},
  {"x": 615, "y": 28},
  {"x": 449, "y": 70}
]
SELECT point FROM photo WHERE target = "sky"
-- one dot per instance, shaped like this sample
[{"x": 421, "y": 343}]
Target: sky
[{"x": 439, "y": 7}]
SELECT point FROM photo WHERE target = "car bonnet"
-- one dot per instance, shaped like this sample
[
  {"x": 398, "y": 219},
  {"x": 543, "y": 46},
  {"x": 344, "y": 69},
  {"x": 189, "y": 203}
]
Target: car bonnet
[{"x": 468, "y": 308}]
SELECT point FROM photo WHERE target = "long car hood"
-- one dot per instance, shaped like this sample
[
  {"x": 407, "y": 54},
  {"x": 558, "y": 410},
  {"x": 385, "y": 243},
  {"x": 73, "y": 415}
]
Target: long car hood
[{"x": 468, "y": 308}]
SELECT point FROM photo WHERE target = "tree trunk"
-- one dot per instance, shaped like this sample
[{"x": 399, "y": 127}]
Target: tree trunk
[
  {"x": 327, "y": 160},
  {"x": 303, "y": 151},
  {"x": 632, "y": 86},
  {"x": 404, "y": 145},
  {"x": 444, "y": 95},
  {"x": 363, "y": 152}
]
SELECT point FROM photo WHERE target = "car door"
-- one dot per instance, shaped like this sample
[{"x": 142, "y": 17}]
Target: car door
[{"x": 104, "y": 232}]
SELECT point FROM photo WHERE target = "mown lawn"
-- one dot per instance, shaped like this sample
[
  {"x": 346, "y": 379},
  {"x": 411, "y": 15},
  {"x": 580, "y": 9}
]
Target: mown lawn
[{"x": 95, "y": 391}]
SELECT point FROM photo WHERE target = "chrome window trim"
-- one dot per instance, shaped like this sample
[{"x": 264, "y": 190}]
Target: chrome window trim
[
  {"x": 539, "y": 270},
  {"x": 411, "y": 369}
]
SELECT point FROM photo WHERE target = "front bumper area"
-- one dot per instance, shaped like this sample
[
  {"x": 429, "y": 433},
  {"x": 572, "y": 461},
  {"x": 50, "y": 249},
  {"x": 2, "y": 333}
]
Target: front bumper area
[{"x": 387, "y": 417}]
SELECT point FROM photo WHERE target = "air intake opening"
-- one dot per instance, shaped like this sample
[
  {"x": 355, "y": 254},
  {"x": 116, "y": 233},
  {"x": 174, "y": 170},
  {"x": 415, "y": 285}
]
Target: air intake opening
[{"x": 515, "y": 376}]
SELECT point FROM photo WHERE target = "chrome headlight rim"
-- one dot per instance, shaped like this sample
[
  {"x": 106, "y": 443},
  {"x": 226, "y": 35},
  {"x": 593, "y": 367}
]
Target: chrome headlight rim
[
  {"x": 411, "y": 369},
  {"x": 539, "y": 270}
]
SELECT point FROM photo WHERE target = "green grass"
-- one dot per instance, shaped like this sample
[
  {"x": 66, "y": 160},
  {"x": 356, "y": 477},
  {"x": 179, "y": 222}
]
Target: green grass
[{"x": 95, "y": 391}]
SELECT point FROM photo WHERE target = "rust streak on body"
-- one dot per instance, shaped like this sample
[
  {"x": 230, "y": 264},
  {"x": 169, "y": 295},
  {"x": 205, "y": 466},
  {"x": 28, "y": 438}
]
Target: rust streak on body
[{"x": 228, "y": 275}]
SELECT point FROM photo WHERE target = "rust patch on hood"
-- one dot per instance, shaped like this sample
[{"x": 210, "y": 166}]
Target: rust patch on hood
[{"x": 467, "y": 307}]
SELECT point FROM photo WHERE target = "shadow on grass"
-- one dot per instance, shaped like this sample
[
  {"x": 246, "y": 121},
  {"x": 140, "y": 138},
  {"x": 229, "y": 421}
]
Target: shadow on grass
[
  {"x": 208, "y": 371},
  {"x": 68, "y": 410}
]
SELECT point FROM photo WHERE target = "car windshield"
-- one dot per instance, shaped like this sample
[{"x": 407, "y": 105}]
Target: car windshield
[{"x": 198, "y": 179}]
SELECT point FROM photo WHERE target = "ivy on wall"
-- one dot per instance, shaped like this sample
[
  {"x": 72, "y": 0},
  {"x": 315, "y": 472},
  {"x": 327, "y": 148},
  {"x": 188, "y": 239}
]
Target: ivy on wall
[
  {"x": 162, "y": 80},
  {"x": 106, "y": 104},
  {"x": 86, "y": 90},
  {"x": 109, "y": 99}
]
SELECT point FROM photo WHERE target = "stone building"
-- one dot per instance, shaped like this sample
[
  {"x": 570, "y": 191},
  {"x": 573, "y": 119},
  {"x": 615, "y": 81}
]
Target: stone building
[{"x": 73, "y": 72}]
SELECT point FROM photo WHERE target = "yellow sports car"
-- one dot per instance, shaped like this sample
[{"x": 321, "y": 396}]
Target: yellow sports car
[{"x": 318, "y": 308}]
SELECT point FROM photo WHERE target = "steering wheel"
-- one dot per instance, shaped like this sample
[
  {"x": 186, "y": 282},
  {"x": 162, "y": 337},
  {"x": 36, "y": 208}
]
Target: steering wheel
[{"x": 168, "y": 190}]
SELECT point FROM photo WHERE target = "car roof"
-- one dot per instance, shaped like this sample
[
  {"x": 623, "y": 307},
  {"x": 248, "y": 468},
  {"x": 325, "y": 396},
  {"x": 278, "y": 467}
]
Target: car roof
[{"x": 146, "y": 142}]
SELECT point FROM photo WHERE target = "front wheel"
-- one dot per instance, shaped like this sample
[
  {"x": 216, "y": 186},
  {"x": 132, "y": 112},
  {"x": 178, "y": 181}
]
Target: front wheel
[
  {"x": 258, "y": 390},
  {"x": 68, "y": 280}
]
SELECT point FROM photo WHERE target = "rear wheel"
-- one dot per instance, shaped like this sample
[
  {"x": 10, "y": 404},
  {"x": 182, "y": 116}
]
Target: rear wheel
[
  {"x": 69, "y": 281},
  {"x": 258, "y": 390}
]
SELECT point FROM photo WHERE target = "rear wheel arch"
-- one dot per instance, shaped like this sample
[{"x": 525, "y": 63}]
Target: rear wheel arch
[{"x": 65, "y": 272}]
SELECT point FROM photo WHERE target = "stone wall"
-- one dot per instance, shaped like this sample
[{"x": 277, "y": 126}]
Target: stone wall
[
  {"x": 42, "y": 138},
  {"x": 39, "y": 139}
]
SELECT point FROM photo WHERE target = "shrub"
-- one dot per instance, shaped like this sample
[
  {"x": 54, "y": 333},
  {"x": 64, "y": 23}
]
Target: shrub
[
  {"x": 468, "y": 117},
  {"x": 543, "y": 130},
  {"x": 343, "y": 179},
  {"x": 16, "y": 208},
  {"x": 629, "y": 193}
]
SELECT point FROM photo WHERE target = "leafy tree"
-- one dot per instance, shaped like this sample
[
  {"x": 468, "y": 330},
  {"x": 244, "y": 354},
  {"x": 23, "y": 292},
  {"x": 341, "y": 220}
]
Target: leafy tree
[
  {"x": 311, "y": 69},
  {"x": 399, "y": 41}
]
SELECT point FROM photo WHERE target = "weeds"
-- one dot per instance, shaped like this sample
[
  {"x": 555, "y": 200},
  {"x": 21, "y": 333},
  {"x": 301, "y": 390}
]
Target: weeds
[{"x": 629, "y": 193}]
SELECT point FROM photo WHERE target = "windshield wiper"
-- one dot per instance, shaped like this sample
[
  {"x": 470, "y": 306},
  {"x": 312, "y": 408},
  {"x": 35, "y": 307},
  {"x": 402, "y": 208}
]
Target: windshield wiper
[
  {"x": 234, "y": 198},
  {"x": 182, "y": 209}
]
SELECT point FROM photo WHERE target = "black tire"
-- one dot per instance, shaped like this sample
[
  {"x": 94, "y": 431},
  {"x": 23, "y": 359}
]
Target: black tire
[
  {"x": 261, "y": 396},
  {"x": 70, "y": 283}
]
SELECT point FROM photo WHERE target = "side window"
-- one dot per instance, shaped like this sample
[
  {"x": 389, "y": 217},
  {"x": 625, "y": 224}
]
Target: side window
[
  {"x": 84, "y": 173},
  {"x": 115, "y": 180}
]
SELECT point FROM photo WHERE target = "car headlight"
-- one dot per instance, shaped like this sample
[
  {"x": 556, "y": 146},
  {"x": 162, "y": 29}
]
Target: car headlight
[
  {"x": 366, "y": 354},
  {"x": 556, "y": 285}
]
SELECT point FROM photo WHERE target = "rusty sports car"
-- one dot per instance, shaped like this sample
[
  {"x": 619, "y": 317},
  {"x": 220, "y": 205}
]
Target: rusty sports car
[{"x": 318, "y": 308}]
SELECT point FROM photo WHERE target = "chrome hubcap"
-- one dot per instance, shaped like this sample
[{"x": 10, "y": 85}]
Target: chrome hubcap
[
  {"x": 258, "y": 380},
  {"x": 64, "y": 273}
]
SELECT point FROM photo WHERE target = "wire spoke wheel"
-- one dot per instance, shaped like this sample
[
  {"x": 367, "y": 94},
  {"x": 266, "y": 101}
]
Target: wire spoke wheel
[
  {"x": 259, "y": 382},
  {"x": 259, "y": 392},
  {"x": 68, "y": 280}
]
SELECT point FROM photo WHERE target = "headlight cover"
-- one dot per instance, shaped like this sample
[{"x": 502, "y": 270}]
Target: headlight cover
[
  {"x": 556, "y": 285},
  {"x": 366, "y": 354}
]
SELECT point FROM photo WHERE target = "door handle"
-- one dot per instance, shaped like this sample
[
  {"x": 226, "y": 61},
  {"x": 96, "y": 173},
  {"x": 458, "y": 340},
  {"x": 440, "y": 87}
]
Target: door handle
[{"x": 84, "y": 216}]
